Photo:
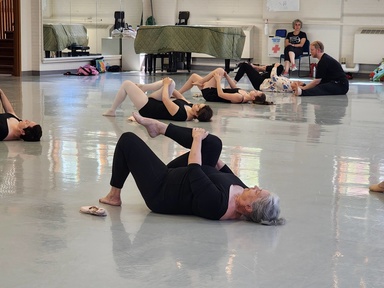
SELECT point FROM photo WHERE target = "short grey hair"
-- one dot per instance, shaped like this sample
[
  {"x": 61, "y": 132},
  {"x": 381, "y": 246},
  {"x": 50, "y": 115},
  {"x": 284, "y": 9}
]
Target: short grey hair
[
  {"x": 297, "y": 21},
  {"x": 266, "y": 211}
]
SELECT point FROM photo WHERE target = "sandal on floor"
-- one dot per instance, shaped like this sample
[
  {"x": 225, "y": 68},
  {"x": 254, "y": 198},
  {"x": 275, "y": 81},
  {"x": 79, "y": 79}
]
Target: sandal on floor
[{"x": 93, "y": 210}]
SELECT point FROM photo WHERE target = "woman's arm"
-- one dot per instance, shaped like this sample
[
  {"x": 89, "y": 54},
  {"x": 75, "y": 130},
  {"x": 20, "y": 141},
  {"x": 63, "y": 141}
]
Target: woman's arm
[
  {"x": 198, "y": 135},
  {"x": 301, "y": 44},
  {"x": 7, "y": 106},
  {"x": 233, "y": 97},
  {"x": 286, "y": 42},
  {"x": 222, "y": 167},
  {"x": 168, "y": 103},
  {"x": 230, "y": 81},
  {"x": 311, "y": 84},
  {"x": 178, "y": 95}
]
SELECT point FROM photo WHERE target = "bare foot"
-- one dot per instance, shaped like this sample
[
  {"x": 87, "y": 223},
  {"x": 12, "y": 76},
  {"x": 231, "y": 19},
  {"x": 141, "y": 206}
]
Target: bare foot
[
  {"x": 110, "y": 201},
  {"x": 377, "y": 187},
  {"x": 297, "y": 91},
  {"x": 153, "y": 126},
  {"x": 109, "y": 113},
  {"x": 198, "y": 84}
]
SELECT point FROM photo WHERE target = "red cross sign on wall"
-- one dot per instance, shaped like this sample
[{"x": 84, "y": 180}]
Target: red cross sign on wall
[{"x": 276, "y": 48}]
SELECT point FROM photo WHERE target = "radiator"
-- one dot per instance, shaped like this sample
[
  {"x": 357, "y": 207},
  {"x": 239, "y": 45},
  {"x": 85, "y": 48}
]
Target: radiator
[{"x": 368, "y": 48}]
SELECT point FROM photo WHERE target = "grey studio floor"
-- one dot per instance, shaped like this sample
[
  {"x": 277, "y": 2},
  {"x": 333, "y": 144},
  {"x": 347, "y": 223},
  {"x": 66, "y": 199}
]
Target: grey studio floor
[{"x": 319, "y": 154}]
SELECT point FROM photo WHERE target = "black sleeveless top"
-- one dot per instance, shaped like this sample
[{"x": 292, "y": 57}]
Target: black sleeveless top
[
  {"x": 4, "y": 124},
  {"x": 157, "y": 110}
]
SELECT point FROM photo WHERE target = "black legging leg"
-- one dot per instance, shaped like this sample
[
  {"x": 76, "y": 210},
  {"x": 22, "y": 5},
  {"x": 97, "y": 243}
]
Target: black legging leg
[
  {"x": 330, "y": 88},
  {"x": 253, "y": 75},
  {"x": 210, "y": 150},
  {"x": 132, "y": 155},
  {"x": 297, "y": 50}
]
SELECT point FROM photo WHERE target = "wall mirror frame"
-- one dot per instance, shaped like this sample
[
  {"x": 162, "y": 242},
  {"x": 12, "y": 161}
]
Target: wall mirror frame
[{"x": 83, "y": 23}]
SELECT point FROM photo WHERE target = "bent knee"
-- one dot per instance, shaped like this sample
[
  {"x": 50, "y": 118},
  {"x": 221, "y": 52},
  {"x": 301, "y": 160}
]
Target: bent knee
[
  {"x": 214, "y": 142},
  {"x": 220, "y": 71},
  {"x": 127, "y": 137},
  {"x": 127, "y": 83}
]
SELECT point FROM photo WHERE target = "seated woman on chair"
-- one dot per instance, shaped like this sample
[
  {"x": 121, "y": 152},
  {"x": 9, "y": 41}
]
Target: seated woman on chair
[
  {"x": 210, "y": 86},
  {"x": 294, "y": 43},
  {"x": 158, "y": 104},
  {"x": 13, "y": 128}
]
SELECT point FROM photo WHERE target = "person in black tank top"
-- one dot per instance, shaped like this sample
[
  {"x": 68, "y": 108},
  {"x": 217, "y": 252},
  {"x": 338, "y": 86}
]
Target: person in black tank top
[
  {"x": 13, "y": 128},
  {"x": 158, "y": 104},
  {"x": 210, "y": 87}
]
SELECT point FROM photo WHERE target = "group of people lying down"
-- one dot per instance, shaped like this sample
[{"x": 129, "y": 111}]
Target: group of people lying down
[
  {"x": 161, "y": 99},
  {"x": 198, "y": 182}
]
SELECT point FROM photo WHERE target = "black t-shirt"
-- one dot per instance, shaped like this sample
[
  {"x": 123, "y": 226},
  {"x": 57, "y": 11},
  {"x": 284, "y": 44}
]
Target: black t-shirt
[
  {"x": 328, "y": 69},
  {"x": 199, "y": 190},
  {"x": 296, "y": 39}
]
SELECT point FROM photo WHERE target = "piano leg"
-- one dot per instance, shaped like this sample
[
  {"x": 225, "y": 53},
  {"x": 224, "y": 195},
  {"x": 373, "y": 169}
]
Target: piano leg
[
  {"x": 227, "y": 64},
  {"x": 189, "y": 56},
  {"x": 172, "y": 62}
]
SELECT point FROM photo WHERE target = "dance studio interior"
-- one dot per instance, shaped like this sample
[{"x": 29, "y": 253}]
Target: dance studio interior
[{"x": 318, "y": 154}]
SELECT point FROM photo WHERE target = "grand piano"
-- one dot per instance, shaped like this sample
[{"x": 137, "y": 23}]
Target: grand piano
[{"x": 221, "y": 42}]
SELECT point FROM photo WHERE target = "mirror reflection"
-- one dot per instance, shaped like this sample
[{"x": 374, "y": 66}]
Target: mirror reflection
[{"x": 77, "y": 28}]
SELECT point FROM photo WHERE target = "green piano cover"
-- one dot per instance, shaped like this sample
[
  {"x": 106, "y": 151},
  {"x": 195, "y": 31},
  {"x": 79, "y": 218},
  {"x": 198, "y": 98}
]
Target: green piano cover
[{"x": 220, "y": 42}]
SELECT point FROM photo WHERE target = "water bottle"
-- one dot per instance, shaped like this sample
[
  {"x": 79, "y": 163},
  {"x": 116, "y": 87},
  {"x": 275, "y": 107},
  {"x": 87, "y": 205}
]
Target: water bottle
[{"x": 314, "y": 72}]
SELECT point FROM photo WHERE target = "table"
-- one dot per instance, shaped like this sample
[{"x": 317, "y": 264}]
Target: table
[{"x": 221, "y": 42}]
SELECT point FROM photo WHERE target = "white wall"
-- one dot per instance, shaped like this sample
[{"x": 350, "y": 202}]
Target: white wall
[{"x": 333, "y": 22}]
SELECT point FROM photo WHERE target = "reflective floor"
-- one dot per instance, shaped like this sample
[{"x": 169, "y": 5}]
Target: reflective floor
[{"x": 319, "y": 154}]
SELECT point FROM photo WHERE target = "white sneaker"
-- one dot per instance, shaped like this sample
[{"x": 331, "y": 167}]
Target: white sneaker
[{"x": 294, "y": 68}]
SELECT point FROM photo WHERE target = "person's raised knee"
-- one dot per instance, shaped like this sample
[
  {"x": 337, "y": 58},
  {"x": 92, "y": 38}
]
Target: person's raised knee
[{"x": 220, "y": 71}]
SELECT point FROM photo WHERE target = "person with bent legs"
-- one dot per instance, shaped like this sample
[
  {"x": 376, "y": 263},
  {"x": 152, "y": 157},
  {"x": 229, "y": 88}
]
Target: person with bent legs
[
  {"x": 158, "y": 104},
  {"x": 330, "y": 76},
  {"x": 256, "y": 74},
  {"x": 294, "y": 43},
  {"x": 210, "y": 87},
  {"x": 195, "y": 183}
]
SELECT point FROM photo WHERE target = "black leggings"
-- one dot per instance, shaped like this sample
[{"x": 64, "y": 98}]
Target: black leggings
[
  {"x": 297, "y": 50},
  {"x": 253, "y": 75},
  {"x": 330, "y": 88},
  {"x": 132, "y": 155}
]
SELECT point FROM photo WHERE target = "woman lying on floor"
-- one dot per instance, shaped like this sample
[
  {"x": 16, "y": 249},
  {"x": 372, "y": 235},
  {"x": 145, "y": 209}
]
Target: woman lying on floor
[
  {"x": 278, "y": 83},
  {"x": 13, "y": 128},
  {"x": 195, "y": 183},
  {"x": 256, "y": 74},
  {"x": 210, "y": 87},
  {"x": 158, "y": 104}
]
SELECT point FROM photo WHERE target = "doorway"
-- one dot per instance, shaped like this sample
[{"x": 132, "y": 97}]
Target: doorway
[{"x": 10, "y": 51}]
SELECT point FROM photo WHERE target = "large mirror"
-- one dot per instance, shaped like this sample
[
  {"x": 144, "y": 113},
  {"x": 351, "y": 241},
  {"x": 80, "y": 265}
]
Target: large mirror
[{"x": 77, "y": 27}]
